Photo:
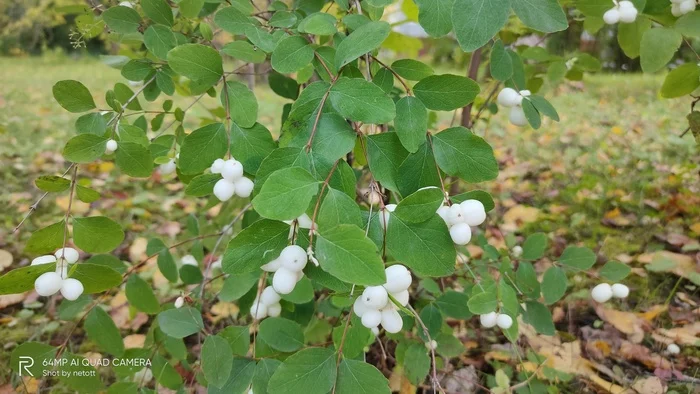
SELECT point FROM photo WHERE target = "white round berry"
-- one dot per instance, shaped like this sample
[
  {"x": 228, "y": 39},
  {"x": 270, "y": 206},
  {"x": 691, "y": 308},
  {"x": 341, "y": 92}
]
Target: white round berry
[
  {"x": 70, "y": 255},
  {"x": 443, "y": 212},
  {"x": 232, "y": 171},
  {"x": 272, "y": 266},
  {"x": 375, "y": 297},
  {"x": 371, "y": 318},
  {"x": 398, "y": 278},
  {"x": 432, "y": 345},
  {"x": 111, "y": 147},
  {"x": 517, "y": 251},
  {"x": 304, "y": 221},
  {"x": 168, "y": 168},
  {"x": 517, "y": 117},
  {"x": 258, "y": 310},
  {"x": 455, "y": 215},
  {"x": 504, "y": 321},
  {"x": 244, "y": 187},
  {"x": 71, "y": 289},
  {"x": 611, "y": 16},
  {"x": 673, "y": 348},
  {"x": 488, "y": 320},
  {"x": 525, "y": 93},
  {"x": 189, "y": 260},
  {"x": 461, "y": 233},
  {"x": 508, "y": 97},
  {"x": 216, "y": 264},
  {"x": 629, "y": 15},
  {"x": 47, "y": 259},
  {"x": 300, "y": 275},
  {"x": 294, "y": 258},
  {"x": 217, "y": 166},
  {"x": 48, "y": 283},
  {"x": 474, "y": 212},
  {"x": 284, "y": 280},
  {"x": 126, "y": 4},
  {"x": 179, "y": 302},
  {"x": 685, "y": 7},
  {"x": 269, "y": 296},
  {"x": 676, "y": 10},
  {"x": 224, "y": 190},
  {"x": 274, "y": 310},
  {"x": 375, "y": 331},
  {"x": 359, "y": 307},
  {"x": 391, "y": 320},
  {"x": 402, "y": 297},
  {"x": 602, "y": 293},
  {"x": 385, "y": 215},
  {"x": 620, "y": 291}
]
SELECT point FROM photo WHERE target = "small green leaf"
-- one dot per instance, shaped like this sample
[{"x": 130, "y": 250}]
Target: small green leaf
[
  {"x": 158, "y": 10},
  {"x": 435, "y": 16},
  {"x": 291, "y": 55},
  {"x": 416, "y": 363},
  {"x": 95, "y": 278},
  {"x": 357, "y": 376},
  {"x": 182, "y": 322},
  {"x": 364, "y": 39},
  {"x": 658, "y": 47},
  {"x": 533, "y": 117},
  {"x": 346, "y": 253},
  {"x": 73, "y": 96},
  {"x": 501, "y": 63},
  {"x": 202, "y": 147},
  {"x": 318, "y": 23},
  {"x": 460, "y": 152},
  {"x": 257, "y": 244},
  {"x": 47, "y": 239},
  {"x": 681, "y": 81},
  {"x": 244, "y": 51},
  {"x": 197, "y": 62},
  {"x": 454, "y": 304},
  {"x": 338, "y": 208},
  {"x": 411, "y": 69},
  {"x": 140, "y": 295},
  {"x": 578, "y": 258},
  {"x": 233, "y": 21},
  {"x": 92, "y": 123},
  {"x": 286, "y": 194},
  {"x": 238, "y": 338},
  {"x": 100, "y": 328},
  {"x": 420, "y": 206},
  {"x": 361, "y": 101},
  {"x": 477, "y": 21},
  {"x": 425, "y": 248},
  {"x": 544, "y": 107},
  {"x": 242, "y": 103},
  {"x": 159, "y": 40},
  {"x": 52, "y": 183},
  {"x": 134, "y": 160},
  {"x": 309, "y": 371},
  {"x": 546, "y": 16},
  {"x": 446, "y": 92},
  {"x": 411, "y": 123},
  {"x": 539, "y": 317},
  {"x": 554, "y": 284},
  {"x": 615, "y": 271},
  {"x": 97, "y": 234},
  {"x": 123, "y": 20},
  {"x": 217, "y": 359},
  {"x": 534, "y": 246},
  {"x": 85, "y": 148},
  {"x": 281, "y": 334},
  {"x": 22, "y": 279}
]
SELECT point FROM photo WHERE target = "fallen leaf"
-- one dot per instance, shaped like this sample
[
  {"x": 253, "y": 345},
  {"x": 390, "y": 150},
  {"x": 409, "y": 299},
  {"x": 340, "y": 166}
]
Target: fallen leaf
[
  {"x": 134, "y": 341},
  {"x": 10, "y": 299},
  {"x": 665, "y": 261},
  {"x": 650, "y": 385},
  {"x": 5, "y": 259}
]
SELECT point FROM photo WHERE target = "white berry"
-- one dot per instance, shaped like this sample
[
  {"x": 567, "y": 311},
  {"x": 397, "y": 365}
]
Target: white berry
[
  {"x": 432, "y": 345},
  {"x": 504, "y": 321},
  {"x": 385, "y": 215},
  {"x": 402, "y": 297},
  {"x": 375, "y": 331},
  {"x": 611, "y": 16},
  {"x": 269, "y": 296},
  {"x": 179, "y": 302},
  {"x": 627, "y": 14},
  {"x": 391, "y": 320},
  {"x": 168, "y": 168},
  {"x": 70, "y": 255},
  {"x": 274, "y": 310},
  {"x": 258, "y": 310},
  {"x": 517, "y": 251},
  {"x": 488, "y": 320},
  {"x": 673, "y": 348},
  {"x": 304, "y": 221},
  {"x": 232, "y": 170},
  {"x": 375, "y": 297},
  {"x": 294, "y": 258},
  {"x": 224, "y": 189},
  {"x": 517, "y": 116},
  {"x": 443, "y": 212},
  {"x": 509, "y": 97},
  {"x": 47, "y": 259},
  {"x": 244, "y": 187},
  {"x": 602, "y": 293},
  {"x": 189, "y": 260},
  {"x": 111, "y": 147},
  {"x": 455, "y": 215},
  {"x": 284, "y": 280},
  {"x": 217, "y": 166},
  {"x": 474, "y": 212},
  {"x": 48, "y": 283},
  {"x": 525, "y": 93},
  {"x": 359, "y": 307},
  {"x": 71, "y": 289},
  {"x": 398, "y": 278},
  {"x": 272, "y": 266},
  {"x": 620, "y": 291},
  {"x": 461, "y": 233},
  {"x": 371, "y": 318},
  {"x": 686, "y": 7}
]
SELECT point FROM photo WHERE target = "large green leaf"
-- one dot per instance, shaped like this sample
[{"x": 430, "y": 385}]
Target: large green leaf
[
  {"x": 257, "y": 244},
  {"x": 97, "y": 234},
  {"x": 251, "y": 145},
  {"x": 554, "y": 285},
  {"x": 73, "y": 96},
  {"x": 159, "y": 40},
  {"x": 385, "y": 154},
  {"x": 197, "y": 62},
  {"x": 334, "y": 137},
  {"x": 446, "y": 92},
  {"x": 346, "y": 253},
  {"x": 543, "y": 15},
  {"x": 202, "y": 147},
  {"x": 85, "y": 148},
  {"x": 629, "y": 35},
  {"x": 291, "y": 55},
  {"x": 243, "y": 50},
  {"x": 425, "y": 248},
  {"x": 101, "y": 329},
  {"x": 217, "y": 360},
  {"x": 459, "y": 152},
  {"x": 182, "y": 322},
  {"x": 658, "y": 47},
  {"x": 357, "y": 376},
  {"x": 411, "y": 122},
  {"x": 338, "y": 208},
  {"x": 362, "y": 101},
  {"x": 435, "y": 16},
  {"x": 158, "y": 10},
  {"x": 22, "y": 279},
  {"x": 364, "y": 39},
  {"x": 411, "y": 69},
  {"x": 286, "y": 194},
  {"x": 477, "y": 21},
  {"x": 233, "y": 21},
  {"x": 682, "y": 80},
  {"x": 418, "y": 170},
  {"x": 140, "y": 295},
  {"x": 47, "y": 239},
  {"x": 310, "y": 371},
  {"x": 579, "y": 258},
  {"x": 134, "y": 159},
  {"x": 539, "y": 317},
  {"x": 281, "y": 334},
  {"x": 421, "y": 205},
  {"x": 95, "y": 278},
  {"x": 240, "y": 376},
  {"x": 122, "y": 19},
  {"x": 242, "y": 103}
]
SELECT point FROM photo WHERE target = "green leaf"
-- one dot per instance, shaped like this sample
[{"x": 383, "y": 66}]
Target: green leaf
[
  {"x": 238, "y": 339},
  {"x": 283, "y": 85},
  {"x": 251, "y": 145},
  {"x": 202, "y": 185},
  {"x": 615, "y": 271},
  {"x": 526, "y": 277},
  {"x": 318, "y": 23},
  {"x": 426, "y": 248},
  {"x": 159, "y": 40},
  {"x": 217, "y": 359},
  {"x": 361, "y": 101},
  {"x": 346, "y": 253},
  {"x": 97, "y": 234},
  {"x": 201, "y": 147},
  {"x": 52, "y": 183},
  {"x": 454, "y": 304},
  {"x": 233, "y": 21},
  {"x": 140, "y": 295},
  {"x": 411, "y": 122},
  {"x": 420, "y": 206},
  {"x": 100, "y": 328},
  {"x": 418, "y": 170},
  {"x": 554, "y": 284},
  {"x": 432, "y": 318},
  {"x": 577, "y": 257},
  {"x": 629, "y": 36},
  {"x": 240, "y": 376},
  {"x": 281, "y": 334},
  {"x": 385, "y": 154},
  {"x": 384, "y": 79},
  {"x": 416, "y": 363},
  {"x": 539, "y": 317},
  {"x": 73, "y": 96},
  {"x": 182, "y": 322},
  {"x": 435, "y": 16},
  {"x": 122, "y": 20},
  {"x": 263, "y": 372},
  {"x": 244, "y": 51},
  {"x": 47, "y": 239},
  {"x": 22, "y": 279},
  {"x": 356, "y": 376},
  {"x": 283, "y": 19},
  {"x": 291, "y": 55},
  {"x": 364, "y": 39},
  {"x": 477, "y": 21},
  {"x": 534, "y": 246},
  {"x": 338, "y": 208},
  {"x": 158, "y": 10},
  {"x": 411, "y": 69},
  {"x": 689, "y": 24},
  {"x": 334, "y": 137},
  {"x": 92, "y": 123},
  {"x": 286, "y": 194},
  {"x": 483, "y": 302},
  {"x": 257, "y": 244},
  {"x": 197, "y": 62},
  {"x": 501, "y": 63},
  {"x": 41, "y": 354},
  {"x": 546, "y": 16},
  {"x": 459, "y": 152},
  {"x": 446, "y": 92},
  {"x": 681, "y": 81},
  {"x": 96, "y": 278},
  {"x": 242, "y": 103},
  {"x": 531, "y": 114},
  {"x": 165, "y": 373},
  {"x": 356, "y": 338},
  {"x": 190, "y": 8},
  {"x": 658, "y": 47},
  {"x": 134, "y": 160},
  {"x": 544, "y": 107},
  {"x": 480, "y": 195},
  {"x": 309, "y": 371}
]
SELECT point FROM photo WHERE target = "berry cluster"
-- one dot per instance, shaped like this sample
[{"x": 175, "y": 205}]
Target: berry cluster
[
  {"x": 287, "y": 268},
  {"x": 604, "y": 292},
  {"x": 460, "y": 218},
  {"x": 233, "y": 181},
  {"x": 375, "y": 307},
  {"x": 49, "y": 283},
  {"x": 624, "y": 12},
  {"x": 513, "y": 99},
  {"x": 682, "y": 7},
  {"x": 267, "y": 305},
  {"x": 111, "y": 147},
  {"x": 493, "y": 319}
]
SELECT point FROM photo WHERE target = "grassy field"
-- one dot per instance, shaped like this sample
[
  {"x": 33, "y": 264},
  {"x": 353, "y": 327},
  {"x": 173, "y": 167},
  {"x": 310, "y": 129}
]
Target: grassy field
[{"x": 614, "y": 174}]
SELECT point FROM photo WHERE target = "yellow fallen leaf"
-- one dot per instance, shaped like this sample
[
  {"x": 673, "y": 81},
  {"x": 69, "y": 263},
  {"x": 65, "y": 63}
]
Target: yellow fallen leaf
[
  {"x": 134, "y": 341},
  {"x": 5, "y": 259},
  {"x": 518, "y": 215}
]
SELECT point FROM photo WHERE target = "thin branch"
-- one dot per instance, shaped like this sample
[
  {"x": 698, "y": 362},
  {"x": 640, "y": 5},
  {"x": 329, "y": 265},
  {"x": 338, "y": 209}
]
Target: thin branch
[
  {"x": 62, "y": 260},
  {"x": 486, "y": 102},
  {"x": 317, "y": 119},
  {"x": 318, "y": 202}
]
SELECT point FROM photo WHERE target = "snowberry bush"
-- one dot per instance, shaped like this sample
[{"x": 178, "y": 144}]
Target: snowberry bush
[{"x": 350, "y": 224}]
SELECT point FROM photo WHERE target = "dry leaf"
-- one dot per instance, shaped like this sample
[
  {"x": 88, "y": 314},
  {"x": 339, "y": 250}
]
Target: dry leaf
[
  {"x": 10, "y": 299},
  {"x": 686, "y": 335},
  {"x": 679, "y": 264},
  {"x": 5, "y": 259},
  {"x": 650, "y": 385},
  {"x": 632, "y": 324},
  {"x": 137, "y": 250},
  {"x": 134, "y": 341}
]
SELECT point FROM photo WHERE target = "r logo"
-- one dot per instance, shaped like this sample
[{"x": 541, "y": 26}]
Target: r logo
[{"x": 25, "y": 362}]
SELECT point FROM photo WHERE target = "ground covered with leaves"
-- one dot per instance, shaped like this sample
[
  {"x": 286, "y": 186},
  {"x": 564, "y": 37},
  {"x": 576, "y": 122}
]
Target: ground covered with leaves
[{"x": 614, "y": 175}]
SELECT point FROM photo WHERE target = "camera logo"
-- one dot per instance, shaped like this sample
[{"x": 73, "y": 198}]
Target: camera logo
[{"x": 25, "y": 362}]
